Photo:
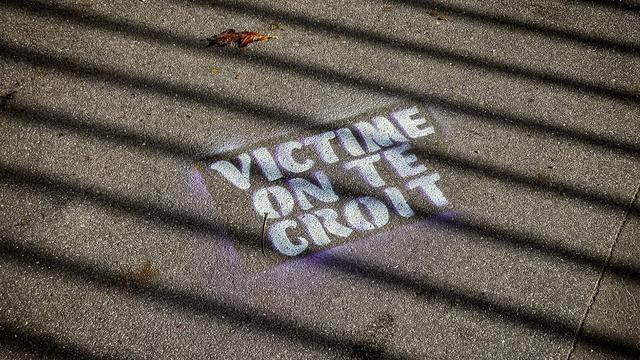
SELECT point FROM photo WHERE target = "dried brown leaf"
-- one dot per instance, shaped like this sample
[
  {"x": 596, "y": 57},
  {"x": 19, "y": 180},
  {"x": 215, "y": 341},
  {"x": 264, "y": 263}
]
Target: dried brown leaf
[
  {"x": 226, "y": 37},
  {"x": 244, "y": 38},
  {"x": 247, "y": 37}
]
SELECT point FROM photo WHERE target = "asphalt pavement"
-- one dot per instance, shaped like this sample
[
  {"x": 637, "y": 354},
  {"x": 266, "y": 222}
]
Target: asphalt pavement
[{"x": 394, "y": 179}]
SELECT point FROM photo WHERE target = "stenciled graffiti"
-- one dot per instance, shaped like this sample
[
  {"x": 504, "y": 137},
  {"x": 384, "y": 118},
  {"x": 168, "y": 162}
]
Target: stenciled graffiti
[{"x": 322, "y": 189}]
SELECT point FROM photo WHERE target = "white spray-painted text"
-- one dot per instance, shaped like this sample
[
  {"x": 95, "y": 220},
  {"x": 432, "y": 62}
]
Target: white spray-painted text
[{"x": 369, "y": 149}]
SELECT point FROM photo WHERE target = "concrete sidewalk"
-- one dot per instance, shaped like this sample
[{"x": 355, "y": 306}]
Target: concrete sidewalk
[{"x": 442, "y": 180}]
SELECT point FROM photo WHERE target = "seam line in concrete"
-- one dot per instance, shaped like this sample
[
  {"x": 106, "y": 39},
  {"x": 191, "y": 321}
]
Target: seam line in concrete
[{"x": 596, "y": 288}]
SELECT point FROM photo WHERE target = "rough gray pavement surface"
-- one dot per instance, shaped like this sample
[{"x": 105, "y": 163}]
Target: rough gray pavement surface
[{"x": 112, "y": 238}]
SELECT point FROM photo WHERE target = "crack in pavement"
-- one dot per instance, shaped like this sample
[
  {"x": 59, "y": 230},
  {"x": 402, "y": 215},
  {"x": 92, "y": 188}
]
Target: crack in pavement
[{"x": 596, "y": 288}]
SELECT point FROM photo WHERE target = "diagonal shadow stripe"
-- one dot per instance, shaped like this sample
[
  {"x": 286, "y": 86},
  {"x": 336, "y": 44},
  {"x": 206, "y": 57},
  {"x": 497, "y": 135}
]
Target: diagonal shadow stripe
[
  {"x": 397, "y": 44},
  {"x": 615, "y": 4},
  {"x": 518, "y": 240},
  {"x": 514, "y": 24},
  {"x": 12, "y": 250},
  {"x": 433, "y": 51},
  {"x": 45, "y": 345},
  {"x": 260, "y": 112},
  {"x": 56, "y": 119},
  {"x": 101, "y": 130},
  {"x": 153, "y": 212},
  {"x": 476, "y": 301}
]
